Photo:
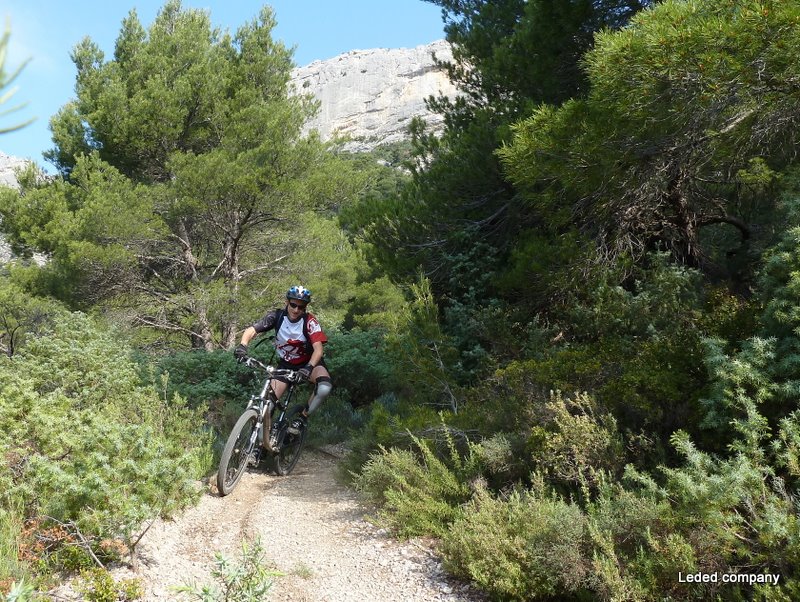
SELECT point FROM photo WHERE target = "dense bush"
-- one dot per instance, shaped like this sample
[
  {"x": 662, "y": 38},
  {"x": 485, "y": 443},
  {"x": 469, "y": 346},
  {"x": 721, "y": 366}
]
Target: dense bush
[
  {"x": 612, "y": 538},
  {"x": 88, "y": 447},
  {"x": 526, "y": 546},
  {"x": 11, "y": 568},
  {"x": 629, "y": 542},
  {"x": 22, "y": 316},
  {"x": 418, "y": 494},
  {"x": 359, "y": 366},
  {"x": 575, "y": 445},
  {"x": 202, "y": 378},
  {"x": 387, "y": 423}
]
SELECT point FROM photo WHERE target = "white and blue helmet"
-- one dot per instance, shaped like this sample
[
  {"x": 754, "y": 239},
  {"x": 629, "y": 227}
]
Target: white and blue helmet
[{"x": 300, "y": 293}]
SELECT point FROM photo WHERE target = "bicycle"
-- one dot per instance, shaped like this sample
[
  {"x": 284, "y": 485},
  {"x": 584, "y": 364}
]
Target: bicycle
[{"x": 286, "y": 436}]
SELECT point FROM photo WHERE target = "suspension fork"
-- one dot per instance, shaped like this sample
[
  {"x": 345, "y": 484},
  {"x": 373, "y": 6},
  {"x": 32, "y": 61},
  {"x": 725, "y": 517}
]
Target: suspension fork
[
  {"x": 268, "y": 395},
  {"x": 280, "y": 407}
]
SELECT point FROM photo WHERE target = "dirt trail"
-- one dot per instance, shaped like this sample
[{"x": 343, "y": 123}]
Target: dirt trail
[{"x": 314, "y": 533}]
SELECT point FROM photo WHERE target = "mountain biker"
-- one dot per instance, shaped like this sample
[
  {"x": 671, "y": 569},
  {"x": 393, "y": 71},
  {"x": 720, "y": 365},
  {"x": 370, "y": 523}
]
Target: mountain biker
[{"x": 299, "y": 341}]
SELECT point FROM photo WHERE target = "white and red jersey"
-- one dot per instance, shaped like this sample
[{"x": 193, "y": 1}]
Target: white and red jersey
[{"x": 293, "y": 340}]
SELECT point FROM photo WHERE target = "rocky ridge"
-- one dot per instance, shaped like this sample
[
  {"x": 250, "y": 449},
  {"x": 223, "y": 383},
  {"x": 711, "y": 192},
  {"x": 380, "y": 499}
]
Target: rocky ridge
[
  {"x": 372, "y": 95},
  {"x": 8, "y": 167}
]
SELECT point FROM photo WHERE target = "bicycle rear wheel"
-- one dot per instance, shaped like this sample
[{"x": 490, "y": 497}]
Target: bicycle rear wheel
[
  {"x": 241, "y": 443},
  {"x": 289, "y": 444}
]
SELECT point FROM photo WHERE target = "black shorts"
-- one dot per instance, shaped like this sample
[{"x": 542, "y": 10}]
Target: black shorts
[{"x": 283, "y": 365}]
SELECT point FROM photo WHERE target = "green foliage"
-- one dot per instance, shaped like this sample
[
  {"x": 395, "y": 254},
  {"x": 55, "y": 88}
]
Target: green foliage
[
  {"x": 417, "y": 346},
  {"x": 202, "y": 378},
  {"x": 511, "y": 54},
  {"x": 659, "y": 149},
  {"x": 387, "y": 423},
  {"x": 184, "y": 176},
  {"x": 335, "y": 421},
  {"x": 739, "y": 381},
  {"x": 661, "y": 299},
  {"x": 245, "y": 580},
  {"x": 22, "y": 315},
  {"x": 362, "y": 369},
  {"x": 629, "y": 542},
  {"x": 374, "y": 304},
  {"x": 11, "y": 568},
  {"x": 637, "y": 349},
  {"x": 99, "y": 586},
  {"x": 508, "y": 57},
  {"x": 86, "y": 443},
  {"x": 618, "y": 255},
  {"x": 780, "y": 320},
  {"x": 523, "y": 428},
  {"x": 19, "y": 592},
  {"x": 418, "y": 495},
  {"x": 541, "y": 267},
  {"x": 525, "y": 547},
  {"x": 577, "y": 444}
]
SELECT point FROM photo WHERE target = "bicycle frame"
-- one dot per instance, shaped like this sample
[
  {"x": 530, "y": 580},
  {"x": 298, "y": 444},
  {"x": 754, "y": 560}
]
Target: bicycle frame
[
  {"x": 262, "y": 411},
  {"x": 266, "y": 404}
]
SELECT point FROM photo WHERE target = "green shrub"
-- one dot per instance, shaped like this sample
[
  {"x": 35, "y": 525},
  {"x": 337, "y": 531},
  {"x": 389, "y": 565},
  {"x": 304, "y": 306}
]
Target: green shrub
[
  {"x": 710, "y": 515},
  {"x": 418, "y": 495},
  {"x": 387, "y": 423},
  {"x": 528, "y": 546},
  {"x": 18, "y": 592},
  {"x": 498, "y": 459},
  {"x": 425, "y": 358},
  {"x": 202, "y": 378},
  {"x": 577, "y": 444},
  {"x": 23, "y": 316},
  {"x": 88, "y": 444},
  {"x": 360, "y": 368},
  {"x": 11, "y": 569},
  {"x": 98, "y": 585},
  {"x": 246, "y": 580}
]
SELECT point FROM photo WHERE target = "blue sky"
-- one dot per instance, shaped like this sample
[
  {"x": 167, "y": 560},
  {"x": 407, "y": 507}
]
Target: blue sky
[{"x": 45, "y": 31}]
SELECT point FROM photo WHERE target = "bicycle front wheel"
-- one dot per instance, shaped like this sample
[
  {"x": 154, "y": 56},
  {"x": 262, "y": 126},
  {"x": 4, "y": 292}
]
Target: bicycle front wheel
[
  {"x": 241, "y": 443},
  {"x": 289, "y": 444}
]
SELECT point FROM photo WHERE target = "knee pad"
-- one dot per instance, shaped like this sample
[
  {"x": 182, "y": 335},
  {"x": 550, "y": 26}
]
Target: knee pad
[
  {"x": 321, "y": 391},
  {"x": 324, "y": 386}
]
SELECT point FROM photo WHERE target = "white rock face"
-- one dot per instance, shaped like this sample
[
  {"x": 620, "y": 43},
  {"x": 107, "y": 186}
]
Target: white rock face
[
  {"x": 8, "y": 165},
  {"x": 372, "y": 95}
]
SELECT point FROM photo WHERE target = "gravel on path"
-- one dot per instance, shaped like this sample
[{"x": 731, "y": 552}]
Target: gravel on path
[{"x": 315, "y": 534}]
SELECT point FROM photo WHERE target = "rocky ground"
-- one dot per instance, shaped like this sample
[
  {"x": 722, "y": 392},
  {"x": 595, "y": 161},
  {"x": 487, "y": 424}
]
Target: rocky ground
[{"x": 315, "y": 534}]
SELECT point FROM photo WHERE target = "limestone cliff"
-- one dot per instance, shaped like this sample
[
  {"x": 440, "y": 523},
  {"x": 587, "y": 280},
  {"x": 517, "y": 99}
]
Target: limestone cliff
[
  {"x": 372, "y": 95},
  {"x": 8, "y": 166}
]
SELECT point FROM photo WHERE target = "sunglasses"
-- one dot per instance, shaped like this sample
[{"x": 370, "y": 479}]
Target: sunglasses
[{"x": 296, "y": 305}]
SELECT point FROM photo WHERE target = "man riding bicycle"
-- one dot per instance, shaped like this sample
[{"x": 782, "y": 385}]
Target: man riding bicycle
[{"x": 299, "y": 342}]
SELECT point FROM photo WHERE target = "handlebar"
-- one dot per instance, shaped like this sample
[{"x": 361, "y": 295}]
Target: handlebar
[{"x": 292, "y": 375}]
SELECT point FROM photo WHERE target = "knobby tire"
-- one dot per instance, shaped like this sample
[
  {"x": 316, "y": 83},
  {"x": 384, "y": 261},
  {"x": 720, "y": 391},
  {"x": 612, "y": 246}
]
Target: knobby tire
[
  {"x": 289, "y": 446},
  {"x": 236, "y": 454}
]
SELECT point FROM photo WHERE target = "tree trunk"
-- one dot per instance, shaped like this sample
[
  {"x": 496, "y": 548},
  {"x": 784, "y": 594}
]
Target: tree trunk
[
  {"x": 232, "y": 277},
  {"x": 202, "y": 335},
  {"x": 229, "y": 334},
  {"x": 684, "y": 220}
]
